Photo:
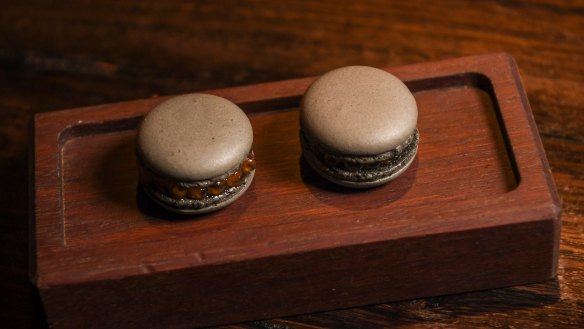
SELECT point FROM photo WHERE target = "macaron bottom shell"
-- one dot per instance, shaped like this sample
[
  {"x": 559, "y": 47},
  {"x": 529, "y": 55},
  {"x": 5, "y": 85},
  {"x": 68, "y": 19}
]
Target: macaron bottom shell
[{"x": 362, "y": 177}]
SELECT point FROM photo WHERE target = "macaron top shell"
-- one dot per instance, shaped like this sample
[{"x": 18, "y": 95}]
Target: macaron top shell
[
  {"x": 195, "y": 137},
  {"x": 358, "y": 110}
]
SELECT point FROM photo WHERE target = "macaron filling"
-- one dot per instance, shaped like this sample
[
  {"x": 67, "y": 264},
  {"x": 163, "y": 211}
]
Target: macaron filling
[
  {"x": 196, "y": 195},
  {"x": 357, "y": 168}
]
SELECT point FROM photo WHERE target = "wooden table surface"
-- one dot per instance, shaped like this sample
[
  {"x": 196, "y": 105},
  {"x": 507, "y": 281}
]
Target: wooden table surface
[{"x": 58, "y": 55}]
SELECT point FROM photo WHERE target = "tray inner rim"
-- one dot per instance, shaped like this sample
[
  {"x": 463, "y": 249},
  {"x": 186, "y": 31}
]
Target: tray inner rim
[{"x": 474, "y": 80}]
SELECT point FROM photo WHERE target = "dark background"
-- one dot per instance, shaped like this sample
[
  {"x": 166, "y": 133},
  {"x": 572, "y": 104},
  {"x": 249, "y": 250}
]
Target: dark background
[{"x": 62, "y": 54}]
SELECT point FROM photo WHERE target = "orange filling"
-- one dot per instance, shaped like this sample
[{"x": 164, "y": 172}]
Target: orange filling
[
  {"x": 199, "y": 192},
  {"x": 196, "y": 193},
  {"x": 177, "y": 191},
  {"x": 248, "y": 165},
  {"x": 234, "y": 179},
  {"x": 217, "y": 187}
]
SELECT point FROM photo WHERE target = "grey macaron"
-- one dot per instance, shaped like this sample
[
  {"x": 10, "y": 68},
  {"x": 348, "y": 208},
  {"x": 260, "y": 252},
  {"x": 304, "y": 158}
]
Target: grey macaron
[
  {"x": 359, "y": 126},
  {"x": 195, "y": 153}
]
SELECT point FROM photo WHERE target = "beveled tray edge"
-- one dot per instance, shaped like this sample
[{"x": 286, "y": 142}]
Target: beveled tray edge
[{"x": 289, "y": 94}]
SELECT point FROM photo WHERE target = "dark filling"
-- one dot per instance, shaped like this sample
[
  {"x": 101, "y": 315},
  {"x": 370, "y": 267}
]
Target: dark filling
[
  {"x": 198, "y": 194},
  {"x": 360, "y": 168}
]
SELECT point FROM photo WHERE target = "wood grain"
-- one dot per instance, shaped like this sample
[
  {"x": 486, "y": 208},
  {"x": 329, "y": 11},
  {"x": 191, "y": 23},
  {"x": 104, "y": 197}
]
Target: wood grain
[
  {"x": 63, "y": 55},
  {"x": 478, "y": 210}
]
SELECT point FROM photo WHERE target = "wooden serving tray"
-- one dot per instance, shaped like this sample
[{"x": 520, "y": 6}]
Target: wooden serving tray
[{"x": 477, "y": 209}]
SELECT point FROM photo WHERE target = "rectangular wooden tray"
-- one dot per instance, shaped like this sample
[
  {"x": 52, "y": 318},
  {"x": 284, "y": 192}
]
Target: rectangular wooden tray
[{"x": 478, "y": 209}]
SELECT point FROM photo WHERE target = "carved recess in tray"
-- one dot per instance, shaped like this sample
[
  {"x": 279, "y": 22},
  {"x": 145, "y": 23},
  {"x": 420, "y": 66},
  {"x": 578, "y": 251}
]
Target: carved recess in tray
[{"x": 463, "y": 150}]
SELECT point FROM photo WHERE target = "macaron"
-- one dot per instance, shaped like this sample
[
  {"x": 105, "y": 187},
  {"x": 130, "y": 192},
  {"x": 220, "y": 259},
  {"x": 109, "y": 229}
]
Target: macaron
[
  {"x": 195, "y": 153},
  {"x": 358, "y": 126}
]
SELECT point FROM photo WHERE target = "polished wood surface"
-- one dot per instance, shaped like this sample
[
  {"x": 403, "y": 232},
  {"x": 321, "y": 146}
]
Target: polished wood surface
[
  {"x": 476, "y": 210},
  {"x": 56, "y": 55}
]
